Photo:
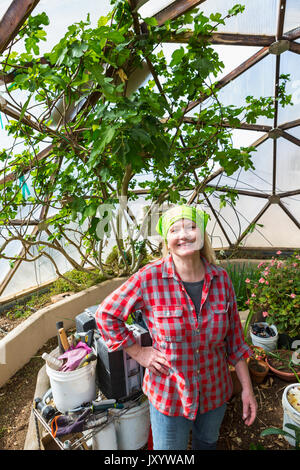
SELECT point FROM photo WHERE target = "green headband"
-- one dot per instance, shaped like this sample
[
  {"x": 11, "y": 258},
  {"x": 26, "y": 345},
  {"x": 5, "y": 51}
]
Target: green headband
[{"x": 181, "y": 212}]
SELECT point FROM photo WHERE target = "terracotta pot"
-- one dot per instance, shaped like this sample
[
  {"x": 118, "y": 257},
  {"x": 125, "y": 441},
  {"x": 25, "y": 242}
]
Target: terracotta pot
[
  {"x": 255, "y": 366},
  {"x": 286, "y": 376}
]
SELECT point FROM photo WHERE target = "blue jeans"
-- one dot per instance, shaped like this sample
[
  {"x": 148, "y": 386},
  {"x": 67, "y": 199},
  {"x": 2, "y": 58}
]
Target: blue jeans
[{"x": 172, "y": 432}]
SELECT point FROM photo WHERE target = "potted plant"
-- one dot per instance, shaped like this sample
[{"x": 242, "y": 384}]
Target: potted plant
[
  {"x": 258, "y": 352},
  {"x": 257, "y": 365},
  {"x": 283, "y": 364},
  {"x": 276, "y": 295}
]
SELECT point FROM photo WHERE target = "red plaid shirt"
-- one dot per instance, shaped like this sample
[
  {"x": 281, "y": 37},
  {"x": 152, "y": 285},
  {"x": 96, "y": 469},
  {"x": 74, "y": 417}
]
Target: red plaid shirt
[{"x": 197, "y": 350}]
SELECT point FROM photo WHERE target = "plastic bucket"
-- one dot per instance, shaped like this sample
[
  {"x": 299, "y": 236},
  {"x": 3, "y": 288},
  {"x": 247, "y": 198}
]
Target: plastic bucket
[
  {"x": 132, "y": 426},
  {"x": 106, "y": 439},
  {"x": 72, "y": 389},
  {"x": 291, "y": 415},
  {"x": 268, "y": 344}
]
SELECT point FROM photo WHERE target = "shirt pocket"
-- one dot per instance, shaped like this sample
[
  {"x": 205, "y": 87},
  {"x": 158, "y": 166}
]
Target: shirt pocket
[
  {"x": 219, "y": 324},
  {"x": 169, "y": 322}
]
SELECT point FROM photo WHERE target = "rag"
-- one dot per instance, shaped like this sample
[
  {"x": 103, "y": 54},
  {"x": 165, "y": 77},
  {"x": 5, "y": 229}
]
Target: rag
[{"x": 62, "y": 424}]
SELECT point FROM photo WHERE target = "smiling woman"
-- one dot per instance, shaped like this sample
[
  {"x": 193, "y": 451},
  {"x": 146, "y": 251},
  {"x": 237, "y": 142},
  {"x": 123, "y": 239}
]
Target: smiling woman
[{"x": 189, "y": 307}]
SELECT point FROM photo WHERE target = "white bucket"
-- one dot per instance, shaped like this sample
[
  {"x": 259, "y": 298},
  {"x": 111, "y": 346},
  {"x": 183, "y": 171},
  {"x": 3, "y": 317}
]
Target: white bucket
[
  {"x": 72, "y": 389},
  {"x": 290, "y": 416},
  {"x": 132, "y": 426},
  {"x": 268, "y": 344},
  {"x": 106, "y": 438}
]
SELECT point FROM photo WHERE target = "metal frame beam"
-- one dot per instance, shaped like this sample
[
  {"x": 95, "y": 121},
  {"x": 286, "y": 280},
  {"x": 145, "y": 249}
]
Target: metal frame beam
[
  {"x": 15, "y": 16},
  {"x": 176, "y": 9},
  {"x": 254, "y": 59},
  {"x": 280, "y": 22},
  {"x": 229, "y": 39}
]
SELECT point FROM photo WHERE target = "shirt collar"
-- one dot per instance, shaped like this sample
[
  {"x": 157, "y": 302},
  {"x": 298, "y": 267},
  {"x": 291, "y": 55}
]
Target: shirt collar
[{"x": 168, "y": 268}]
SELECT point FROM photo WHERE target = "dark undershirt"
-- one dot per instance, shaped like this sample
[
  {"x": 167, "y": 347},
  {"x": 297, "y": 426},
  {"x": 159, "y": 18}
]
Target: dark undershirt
[{"x": 194, "y": 290}]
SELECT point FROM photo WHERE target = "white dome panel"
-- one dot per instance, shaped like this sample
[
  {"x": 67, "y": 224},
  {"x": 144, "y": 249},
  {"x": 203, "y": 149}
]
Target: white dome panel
[{"x": 278, "y": 231}]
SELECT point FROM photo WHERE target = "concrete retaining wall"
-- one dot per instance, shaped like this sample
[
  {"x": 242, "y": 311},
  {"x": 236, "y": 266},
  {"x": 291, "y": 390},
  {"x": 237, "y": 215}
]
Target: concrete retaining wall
[{"x": 23, "y": 342}]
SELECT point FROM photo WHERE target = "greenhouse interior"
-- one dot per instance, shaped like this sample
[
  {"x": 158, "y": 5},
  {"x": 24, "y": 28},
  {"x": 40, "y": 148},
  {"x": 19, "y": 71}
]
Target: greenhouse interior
[{"x": 113, "y": 112}]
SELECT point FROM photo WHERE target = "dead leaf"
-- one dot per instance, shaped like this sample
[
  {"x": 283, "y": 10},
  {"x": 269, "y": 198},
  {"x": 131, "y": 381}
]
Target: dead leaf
[
  {"x": 280, "y": 444},
  {"x": 238, "y": 440}
]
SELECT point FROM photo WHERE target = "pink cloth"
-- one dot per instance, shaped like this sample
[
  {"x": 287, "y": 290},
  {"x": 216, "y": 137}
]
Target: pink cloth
[{"x": 74, "y": 356}]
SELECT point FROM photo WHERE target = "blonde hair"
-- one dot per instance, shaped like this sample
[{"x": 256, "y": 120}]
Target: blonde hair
[{"x": 206, "y": 251}]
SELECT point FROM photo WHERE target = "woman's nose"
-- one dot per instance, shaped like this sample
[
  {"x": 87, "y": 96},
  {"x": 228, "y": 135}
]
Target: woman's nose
[{"x": 184, "y": 232}]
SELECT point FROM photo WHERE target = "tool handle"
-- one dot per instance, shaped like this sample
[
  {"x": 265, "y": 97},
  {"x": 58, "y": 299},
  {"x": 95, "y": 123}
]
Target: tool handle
[
  {"x": 64, "y": 339},
  {"x": 105, "y": 405},
  {"x": 86, "y": 360},
  {"x": 59, "y": 324}
]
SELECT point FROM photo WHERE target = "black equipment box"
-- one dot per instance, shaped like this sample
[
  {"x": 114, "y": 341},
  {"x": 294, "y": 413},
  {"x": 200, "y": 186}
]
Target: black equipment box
[
  {"x": 119, "y": 376},
  {"x": 85, "y": 321}
]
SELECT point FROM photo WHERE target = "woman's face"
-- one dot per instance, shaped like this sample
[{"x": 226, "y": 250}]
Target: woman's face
[{"x": 184, "y": 238}]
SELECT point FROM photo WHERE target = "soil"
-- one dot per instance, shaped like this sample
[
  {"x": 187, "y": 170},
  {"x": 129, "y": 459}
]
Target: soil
[
  {"x": 7, "y": 324},
  {"x": 254, "y": 365},
  {"x": 277, "y": 364},
  {"x": 16, "y": 398}
]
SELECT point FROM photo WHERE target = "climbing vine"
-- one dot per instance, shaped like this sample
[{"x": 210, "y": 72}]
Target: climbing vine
[{"x": 90, "y": 141}]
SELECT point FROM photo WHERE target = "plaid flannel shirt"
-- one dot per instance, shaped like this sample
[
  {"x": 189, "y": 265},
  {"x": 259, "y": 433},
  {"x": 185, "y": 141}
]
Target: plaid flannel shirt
[{"x": 198, "y": 350}]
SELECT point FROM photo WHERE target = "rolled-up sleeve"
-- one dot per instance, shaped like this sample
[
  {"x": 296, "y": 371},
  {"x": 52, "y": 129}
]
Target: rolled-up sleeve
[
  {"x": 113, "y": 312},
  {"x": 236, "y": 345}
]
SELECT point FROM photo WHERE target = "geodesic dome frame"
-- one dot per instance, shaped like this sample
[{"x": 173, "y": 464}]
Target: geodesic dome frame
[{"x": 271, "y": 194}]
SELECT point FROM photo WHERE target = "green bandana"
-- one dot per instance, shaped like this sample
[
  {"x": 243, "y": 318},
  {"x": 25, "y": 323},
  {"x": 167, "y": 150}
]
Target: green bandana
[{"x": 181, "y": 212}]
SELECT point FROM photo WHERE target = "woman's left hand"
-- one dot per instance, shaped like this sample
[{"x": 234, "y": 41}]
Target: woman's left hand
[{"x": 249, "y": 407}]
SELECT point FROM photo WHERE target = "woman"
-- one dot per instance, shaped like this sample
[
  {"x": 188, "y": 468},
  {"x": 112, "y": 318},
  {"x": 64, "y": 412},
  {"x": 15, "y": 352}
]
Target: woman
[{"x": 189, "y": 307}]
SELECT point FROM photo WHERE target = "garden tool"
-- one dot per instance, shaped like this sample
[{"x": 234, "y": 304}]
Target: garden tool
[
  {"x": 86, "y": 360},
  {"x": 46, "y": 411},
  {"x": 59, "y": 325},
  {"x": 96, "y": 406},
  {"x": 64, "y": 339},
  {"x": 85, "y": 336}
]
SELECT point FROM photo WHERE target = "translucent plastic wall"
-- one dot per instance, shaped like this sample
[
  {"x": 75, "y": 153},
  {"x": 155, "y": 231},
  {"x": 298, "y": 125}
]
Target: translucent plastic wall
[{"x": 269, "y": 195}]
